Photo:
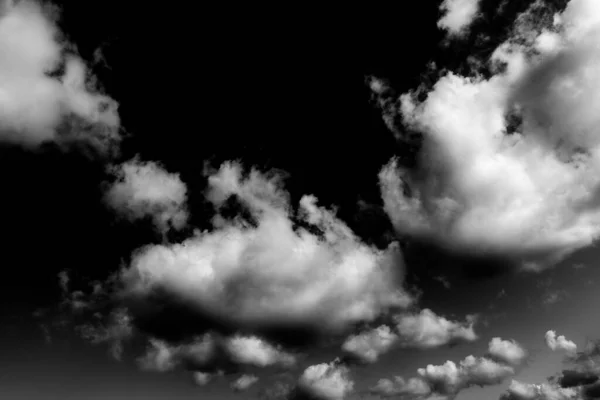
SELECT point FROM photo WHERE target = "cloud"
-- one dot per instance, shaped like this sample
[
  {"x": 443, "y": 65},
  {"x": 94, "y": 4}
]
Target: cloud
[
  {"x": 423, "y": 330},
  {"x": 368, "y": 346},
  {"x": 146, "y": 189},
  {"x": 509, "y": 165},
  {"x": 449, "y": 378},
  {"x": 202, "y": 378},
  {"x": 527, "y": 391},
  {"x": 244, "y": 382},
  {"x": 116, "y": 331},
  {"x": 255, "y": 351},
  {"x": 457, "y": 15},
  {"x": 556, "y": 343},
  {"x": 508, "y": 351},
  {"x": 327, "y": 381},
  {"x": 264, "y": 270},
  {"x": 428, "y": 330},
  {"x": 398, "y": 387},
  {"x": 161, "y": 356},
  {"x": 47, "y": 92}
]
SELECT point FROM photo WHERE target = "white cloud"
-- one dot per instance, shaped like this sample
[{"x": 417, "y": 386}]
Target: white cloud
[
  {"x": 369, "y": 345},
  {"x": 33, "y": 104},
  {"x": 560, "y": 343},
  {"x": 244, "y": 382},
  {"x": 255, "y": 351},
  {"x": 458, "y": 15},
  {"x": 146, "y": 189},
  {"x": 427, "y": 330},
  {"x": 450, "y": 378},
  {"x": 532, "y": 195},
  {"x": 508, "y": 351},
  {"x": 327, "y": 381},
  {"x": 270, "y": 272},
  {"x": 528, "y": 391}
]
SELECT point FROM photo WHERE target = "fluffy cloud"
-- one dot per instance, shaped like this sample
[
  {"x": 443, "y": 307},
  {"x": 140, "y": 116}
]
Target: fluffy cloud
[
  {"x": 327, "y": 381},
  {"x": 369, "y": 345},
  {"x": 202, "y": 378},
  {"x": 42, "y": 91},
  {"x": 244, "y": 382},
  {"x": 560, "y": 343},
  {"x": 422, "y": 330},
  {"x": 255, "y": 351},
  {"x": 145, "y": 189},
  {"x": 265, "y": 271},
  {"x": 457, "y": 15},
  {"x": 507, "y": 351},
  {"x": 427, "y": 330},
  {"x": 527, "y": 391},
  {"x": 509, "y": 165}
]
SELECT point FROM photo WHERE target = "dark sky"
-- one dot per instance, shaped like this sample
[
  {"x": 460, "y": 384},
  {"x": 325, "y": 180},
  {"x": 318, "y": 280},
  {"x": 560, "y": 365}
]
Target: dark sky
[{"x": 278, "y": 87}]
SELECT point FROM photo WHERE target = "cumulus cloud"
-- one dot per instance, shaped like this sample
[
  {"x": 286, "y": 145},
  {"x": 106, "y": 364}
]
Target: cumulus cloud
[
  {"x": 423, "y": 330},
  {"x": 457, "y": 15},
  {"x": 44, "y": 87},
  {"x": 509, "y": 165},
  {"x": 528, "y": 391},
  {"x": 508, "y": 351},
  {"x": 244, "y": 382},
  {"x": 202, "y": 378},
  {"x": 327, "y": 381},
  {"x": 264, "y": 270},
  {"x": 255, "y": 351},
  {"x": 426, "y": 330},
  {"x": 146, "y": 189},
  {"x": 560, "y": 343}
]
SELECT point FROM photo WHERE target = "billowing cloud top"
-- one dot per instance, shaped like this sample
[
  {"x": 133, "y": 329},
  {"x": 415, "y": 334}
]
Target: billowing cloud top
[
  {"x": 509, "y": 165},
  {"x": 266, "y": 271},
  {"x": 36, "y": 97}
]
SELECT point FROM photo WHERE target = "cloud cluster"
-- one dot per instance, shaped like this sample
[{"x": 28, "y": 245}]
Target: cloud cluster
[
  {"x": 266, "y": 270},
  {"x": 422, "y": 330},
  {"x": 145, "y": 189},
  {"x": 457, "y": 15},
  {"x": 449, "y": 378},
  {"x": 509, "y": 164},
  {"x": 47, "y": 91}
]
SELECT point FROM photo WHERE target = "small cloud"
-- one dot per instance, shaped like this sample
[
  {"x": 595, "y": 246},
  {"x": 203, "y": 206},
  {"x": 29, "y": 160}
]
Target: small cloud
[
  {"x": 244, "y": 382},
  {"x": 428, "y": 330},
  {"x": 255, "y": 351},
  {"x": 560, "y": 343},
  {"x": 458, "y": 15},
  {"x": 508, "y": 351}
]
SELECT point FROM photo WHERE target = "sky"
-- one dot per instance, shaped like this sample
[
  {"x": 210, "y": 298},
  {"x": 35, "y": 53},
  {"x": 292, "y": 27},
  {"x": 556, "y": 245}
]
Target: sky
[{"x": 286, "y": 203}]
